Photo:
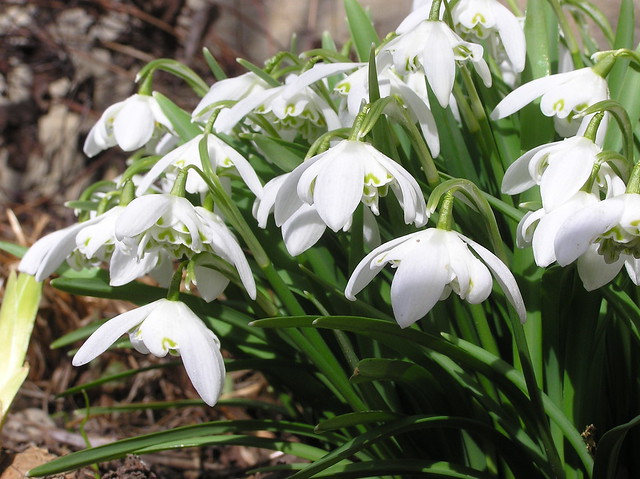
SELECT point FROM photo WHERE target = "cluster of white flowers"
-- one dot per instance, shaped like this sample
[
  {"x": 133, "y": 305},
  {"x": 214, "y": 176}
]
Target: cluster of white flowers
[{"x": 585, "y": 215}]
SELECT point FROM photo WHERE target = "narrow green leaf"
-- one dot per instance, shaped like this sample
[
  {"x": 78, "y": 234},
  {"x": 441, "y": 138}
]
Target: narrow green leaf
[
  {"x": 174, "y": 437},
  {"x": 606, "y": 462},
  {"x": 361, "y": 28},
  {"x": 180, "y": 119},
  {"x": 14, "y": 249},
  {"x": 284, "y": 154},
  {"x": 355, "y": 419},
  {"x": 178, "y": 69},
  {"x": 214, "y": 66}
]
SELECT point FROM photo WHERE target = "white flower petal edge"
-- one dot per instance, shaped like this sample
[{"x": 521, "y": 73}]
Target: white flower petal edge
[{"x": 160, "y": 327}]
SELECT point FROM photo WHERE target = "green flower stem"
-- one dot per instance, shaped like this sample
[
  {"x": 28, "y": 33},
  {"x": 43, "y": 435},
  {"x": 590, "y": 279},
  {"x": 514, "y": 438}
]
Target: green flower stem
[
  {"x": 592, "y": 127},
  {"x": 535, "y": 396},
  {"x": 173, "y": 294},
  {"x": 434, "y": 13},
  {"x": 568, "y": 32},
  {"x": 633, "y": 186},
  {"x": 179, "y": 187},
  {"x": 484, "y": 135},
  {"x": 445, "y": 218}
]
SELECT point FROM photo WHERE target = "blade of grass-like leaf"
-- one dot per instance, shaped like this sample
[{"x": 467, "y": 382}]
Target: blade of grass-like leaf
[
  {"x": 503, "y": 374},
  {"x": 180, "y": 119},
  {"x": 414, "y": 423},
  {"x": 159, "y": 405},
  {"x": 123, "y": 447},
  {"x": 362, "y": 31},
  {"x": 606, "y": 465},
  {"x": 283, "y": 154},
  {"x": 355, "y": 419},
  {"x": 403, "y": 468},
  {"x": 14, "y": 249}
]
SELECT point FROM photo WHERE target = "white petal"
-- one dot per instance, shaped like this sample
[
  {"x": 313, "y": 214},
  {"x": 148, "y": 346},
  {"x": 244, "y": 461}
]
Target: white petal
[
  {"x": 518, "y": 178},
  {"x": 503, "y": 276},
  {"x": 109, "y": 332},
  {"x": 594, "y": 271},
  {"x": 580, "y": 230},
  {"x": 365, "y": 271},
  {"x": 511, "y": 35},
  {"x": 338, "y": 188},
  {"x": 525, "y": 94},
  {"x": 123, "y": 268},
  {"x": 50, "y": 251},
  {"x": 134, "y": 125},
  {"x": 141, "y": 214},
  {"x": 302, "y": 230},
  {"x": 420, "y": 280},
  {"x": 439, "y": 63}
]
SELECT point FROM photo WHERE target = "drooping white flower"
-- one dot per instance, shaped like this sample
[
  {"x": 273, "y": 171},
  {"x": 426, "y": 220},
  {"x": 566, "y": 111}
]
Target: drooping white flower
[
  {"x": 539, "y": 228},
  {"x": 561, "y": 169},
  {"x": 221, "y": 156},
  {"x": 163, "y": 327},
  {"x": 429, "y": 265},
  {"x": 411, "y": 89},
  {"x": 337, "y": 180},
  {"x": 229, "y": 89},
  {"x": 291, "y": 110},
  {"x": 433, "y": 47},
  {"x": 153, "y": 225},
  {"x": 563, "y": 94},
  {"x": 130, "y": 124},
  {"x": 304, "y": 226},
  {"x": 82, "y": 244},
  {"x": 483, "y": 18},
  {"x": 603, "y": 238}
]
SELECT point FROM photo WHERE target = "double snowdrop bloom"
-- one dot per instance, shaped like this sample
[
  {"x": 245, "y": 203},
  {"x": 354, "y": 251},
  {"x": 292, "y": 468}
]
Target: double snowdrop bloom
[
  {"x": 229, "y": 89},
  {"x": 163, "y": 327},
  {"x": 292, "y": 108},
  {"x": 304, "y": 226},
  {"x": 484, "y": 18},
  {"x": 539, "y": 228},
  {"x": 429, "y": 265},
  {"x": 563, "y": 94},
  {"x": 561, "y": 169},
  {"x": 130, "y": 124},
  {"x": 603, "y": 238},
  {"x": 222, "y": 158},
  {"x": 432, "y": 46},
  {"x": 337, "y": 180},
  {"x": 155, "y": 225},
  {"x": 88, "y": 242},
  {"x": 412, "y": 90}
]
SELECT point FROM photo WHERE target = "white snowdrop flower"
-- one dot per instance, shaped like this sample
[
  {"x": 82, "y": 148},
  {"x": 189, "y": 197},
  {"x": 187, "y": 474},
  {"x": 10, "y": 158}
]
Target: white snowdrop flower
[
  {"x": 561, "y": 169},
  {"x": 563, "y": 94},
  {"x": 163, "y": 327},
  {"x": 484, "y": 18},
  {"x": 222, "y": 158},
  {"x": 337, "y": 180},
  {"x": 130, "y": 124},
  {"x": 603, "y": 238},
  {"x": 153, "y": 225},
  {"x": 429, "y": 265},
  {"x": 229, "y": 89},
  {"x": 432, "y": 46}
]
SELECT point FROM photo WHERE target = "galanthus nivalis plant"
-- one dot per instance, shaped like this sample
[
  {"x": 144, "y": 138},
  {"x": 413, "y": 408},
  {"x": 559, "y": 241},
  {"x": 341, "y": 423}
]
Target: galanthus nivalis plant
[{"x": 397, "y": 172}]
